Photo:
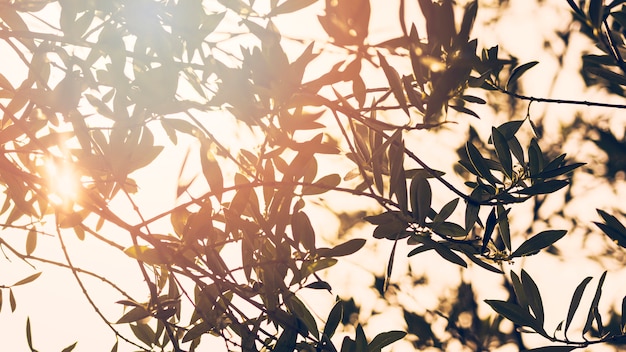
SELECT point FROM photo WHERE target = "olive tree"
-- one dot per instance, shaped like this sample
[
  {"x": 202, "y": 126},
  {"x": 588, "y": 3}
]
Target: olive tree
[{"x": 98, "y": 90}]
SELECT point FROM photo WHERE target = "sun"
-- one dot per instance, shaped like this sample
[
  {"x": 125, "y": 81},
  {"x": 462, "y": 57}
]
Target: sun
[{"x": 62, "y": 182}]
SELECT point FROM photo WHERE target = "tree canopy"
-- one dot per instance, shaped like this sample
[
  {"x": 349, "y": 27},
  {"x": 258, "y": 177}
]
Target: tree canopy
[{"x": 304, "y": 139}]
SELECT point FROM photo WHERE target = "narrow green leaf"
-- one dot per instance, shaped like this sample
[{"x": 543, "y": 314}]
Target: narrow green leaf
[
  {"x": 503, "y": 225},
  {"x": 290, "y": 6},
  {"x": 510, "y": 128},
  {"x": 361, "y": 340},
  {"x": 303, "y": 231},
  {"x": 518, "y": 72},
  {"x": 473, "y": 99},
  {"x": 133, "y": 315},
  {"x": 27, "y": 279},
  {"x": 322, "y": 185},
  {"x": 449, "y": 229},
  {"x": 334, "y": 317},
  {"x": 559, "y": 171},
  {"x": 421, "y": 198},
  {"x": 346, "y": 248},
  {"x": 538, "y": 242},
  {"x": 12, "y": 302},
  {"x": 575, "y": 302},
  {"x": 553, "y": 349},
  {"x": 514, "y": 313},
  {"x": 303, "y": 313},
  {"x": 31, "y": 241},
  {"x": 480, "y": 164},
  {"x": 545, "y": 187},
  {"x": 29, "y": 336},
  {"x": 446, "y": 211},
  {"x": 489, "y": 227},
  {"x": 211, "y": 169},
  {"x": 385, "y": 339},
  {"x": 612, "y": 227},
  {"x": 520, "y": 294},
  {"x": 394, "y": 82},
  {"x": 594, "y": 304},
  {"x": 533, "y": 296},
  {"x": 502, "y": 151},
  {"x": 623, "y": 317},
  {"x": 464, "y": 110}
]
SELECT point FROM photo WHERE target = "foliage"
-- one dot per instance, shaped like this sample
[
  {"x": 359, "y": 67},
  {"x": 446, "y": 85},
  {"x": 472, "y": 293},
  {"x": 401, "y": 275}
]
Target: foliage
[{"x": 103, "y": 80}]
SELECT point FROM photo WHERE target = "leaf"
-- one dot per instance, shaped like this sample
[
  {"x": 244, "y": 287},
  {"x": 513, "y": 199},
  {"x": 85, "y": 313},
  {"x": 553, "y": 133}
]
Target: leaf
[
  {"x": 394, "y": 82},
  {"x": 514, "y": 313},
  {"x": 29, "y": 336},
  {"x": 464, "y": 110},
  {"x": 578, "y": 293},
  {"x": 446, "y": 211},
  {"x": 361, "y": 340},
  {"x": 211, "y": 169},
  {"x": 503, "y": 225},
  {"x": 31, "y": 241},
  {"x": 553, "y": 349},
  {"x": 303, "y": 231},
  {"x": 558, "y": 171},
  {"x": 518, "y": 72},
  {"x": 421, "y": 198},
  {"x": 324, "y": 184},
  {"x": 612, "y": 228},
  {"x": 594, "y": 304},
  {"x": 479, "y": 163},
  {"x": 449, "y": 229},
  {"x": 502, "y": 151},
  {"x": 334, "y": 317},
  {"x": 533, "y": 296},
  {"x": 346, "y": 248},
  {"x": 489, "y": 227},
  {"x": 546, "y": 187},
  {"x": 135, "y": 314},
  {"x": 12, "y": 302},
  {"x": 27, "y": 279},
  {"x": 290, "y": 6},
  {"x": 538, "y": 242},
  {"x": 385, "y": 339},
  {"x": 301, "y": 311},
  {"x": 70, "y": 347}
]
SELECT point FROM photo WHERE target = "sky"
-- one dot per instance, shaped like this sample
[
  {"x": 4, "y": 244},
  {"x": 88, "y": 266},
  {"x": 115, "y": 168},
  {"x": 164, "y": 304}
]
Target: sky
[{"x": 59, "y": 314}]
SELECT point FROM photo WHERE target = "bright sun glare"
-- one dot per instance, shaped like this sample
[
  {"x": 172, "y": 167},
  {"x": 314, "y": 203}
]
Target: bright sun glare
[{"x": 62, "y": 182}]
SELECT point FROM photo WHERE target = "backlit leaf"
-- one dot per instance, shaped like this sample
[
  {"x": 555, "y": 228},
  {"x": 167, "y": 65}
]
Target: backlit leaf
[
  {"x": 518, "y": 72},
  {"x": 334, "y": 317},
  {"x": 594, "y": 304},
  {"x": 346, "y": 248},
  {"x": 479, "y": 163},
  {"x": 538, "y": 242},
  {"x": 546, "y": 187},
  {"x": 28, "y": 279},
  {"x": 289, "y": 6},
  {"x": 12, "y": 302},
  {"x": 502, "y": 151},
  {"x": 578, "y": 293},
  {"x": 31, "y": 241},
  {"x": 303, "y": 313},
  {"x": 421, "y": 198},
  {"x": 395, "y": 82},
  {"x": 135, "y": 314},
  {"x": 70, "y": 347},
  {"x": 322, "y": 185},
  {"x": 385, "y": 339},
  {"x": 514, "y": 313},
  {"x": 533, "y": 296}
]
